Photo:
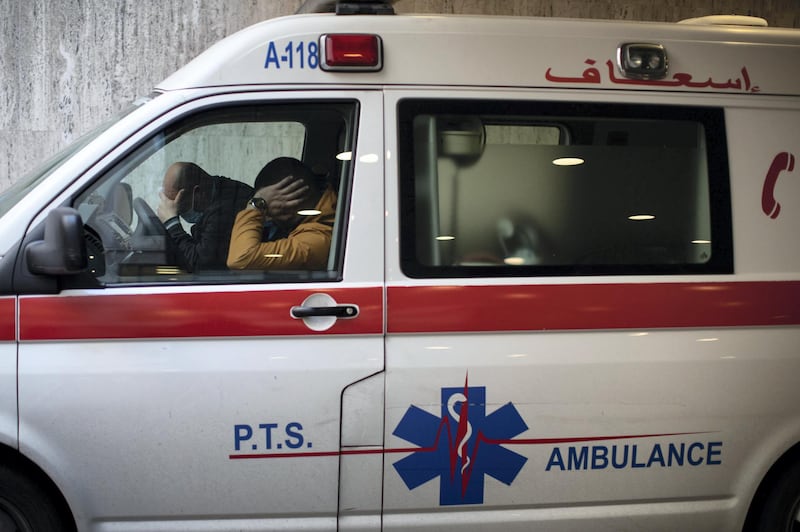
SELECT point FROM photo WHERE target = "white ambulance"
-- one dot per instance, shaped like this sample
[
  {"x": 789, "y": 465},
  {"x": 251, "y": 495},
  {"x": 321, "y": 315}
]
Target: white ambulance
[{"x": 563, "y": 288}]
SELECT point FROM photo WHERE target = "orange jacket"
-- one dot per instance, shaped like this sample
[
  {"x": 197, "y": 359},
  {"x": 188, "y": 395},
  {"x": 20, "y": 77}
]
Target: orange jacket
[{"x": 306, "y": 247}]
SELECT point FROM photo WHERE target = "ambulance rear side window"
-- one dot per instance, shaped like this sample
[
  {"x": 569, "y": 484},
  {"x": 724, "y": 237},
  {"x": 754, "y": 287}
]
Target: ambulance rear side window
[{"x": 493, "y": 188}]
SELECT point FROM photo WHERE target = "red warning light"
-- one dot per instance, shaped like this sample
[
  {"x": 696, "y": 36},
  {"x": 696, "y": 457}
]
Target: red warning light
[{"x": 354, "y": 52}]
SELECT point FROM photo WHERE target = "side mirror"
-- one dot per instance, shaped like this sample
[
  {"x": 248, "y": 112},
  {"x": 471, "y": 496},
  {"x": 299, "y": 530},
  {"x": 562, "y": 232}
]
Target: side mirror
[{"x": 63, "y": 250}]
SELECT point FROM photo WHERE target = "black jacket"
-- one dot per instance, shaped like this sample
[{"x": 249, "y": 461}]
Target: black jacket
[{"x": 207, "y": 247}]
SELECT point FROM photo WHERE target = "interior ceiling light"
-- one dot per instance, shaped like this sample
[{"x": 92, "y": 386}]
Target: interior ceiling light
[
  {"x": 641, "y": 217},
  {"x": 444, "y": 238},
  {"x": 568, "y": 161},
  {"x": 309, "y": 212}
]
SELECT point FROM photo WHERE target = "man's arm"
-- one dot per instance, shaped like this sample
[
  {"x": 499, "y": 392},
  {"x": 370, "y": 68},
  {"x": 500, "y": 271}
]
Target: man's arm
[
  {"x": 167, "y": 212},
  {"x": 206, "y": 247}
]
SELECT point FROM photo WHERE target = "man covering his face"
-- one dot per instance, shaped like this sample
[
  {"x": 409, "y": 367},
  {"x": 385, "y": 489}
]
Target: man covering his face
[
  {"x": 210, "y": 203},
  {"x": 288, "y": 223}
]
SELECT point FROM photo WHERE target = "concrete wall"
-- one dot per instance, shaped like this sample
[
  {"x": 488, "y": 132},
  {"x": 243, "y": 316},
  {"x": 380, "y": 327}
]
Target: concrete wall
[{"x": 67, "y": 65}]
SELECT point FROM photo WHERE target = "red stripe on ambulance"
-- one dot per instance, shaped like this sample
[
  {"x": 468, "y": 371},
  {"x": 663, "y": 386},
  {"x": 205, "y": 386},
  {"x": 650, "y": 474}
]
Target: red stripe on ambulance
[
  {"x": 591, "y": 306},
  {"x": 8, "y": 326},
  {"x": 189, "y": 315}
]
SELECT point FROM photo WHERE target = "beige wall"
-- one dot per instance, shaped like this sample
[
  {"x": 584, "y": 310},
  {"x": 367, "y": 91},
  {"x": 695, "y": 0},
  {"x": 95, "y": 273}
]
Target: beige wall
[{"x": 67, "y": 65}]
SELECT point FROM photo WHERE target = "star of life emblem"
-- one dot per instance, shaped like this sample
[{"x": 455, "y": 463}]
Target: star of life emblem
[{"x": 460, "y": 447}]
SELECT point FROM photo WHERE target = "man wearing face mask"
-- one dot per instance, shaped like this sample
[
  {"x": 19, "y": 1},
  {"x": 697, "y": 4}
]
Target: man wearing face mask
[
  {"x": 288, "y": 223},
  {"x": 210, "y": 203}
]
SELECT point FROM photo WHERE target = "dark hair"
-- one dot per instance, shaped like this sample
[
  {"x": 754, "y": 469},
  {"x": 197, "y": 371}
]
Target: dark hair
[{"x": 277, "y": 169}]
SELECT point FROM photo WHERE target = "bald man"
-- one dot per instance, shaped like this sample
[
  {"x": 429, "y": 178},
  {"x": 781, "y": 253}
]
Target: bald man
[{"x": 208, "y": 202}]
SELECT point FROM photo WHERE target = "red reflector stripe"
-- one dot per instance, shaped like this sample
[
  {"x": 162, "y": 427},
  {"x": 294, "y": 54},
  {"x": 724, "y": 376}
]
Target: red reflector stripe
[
  {"x": 410, "y": 310},
  {"x": 591, "y": 307},
  {"x": 8, "y": 325},
  {"x": 351, "y": 50},
  {"x": 187, "y": 315}
]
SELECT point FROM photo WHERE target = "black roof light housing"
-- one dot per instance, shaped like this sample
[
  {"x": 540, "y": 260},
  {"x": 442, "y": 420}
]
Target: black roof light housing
[
  {"x": 642, "y": 60},
  {"x": 348, "y": 7}
]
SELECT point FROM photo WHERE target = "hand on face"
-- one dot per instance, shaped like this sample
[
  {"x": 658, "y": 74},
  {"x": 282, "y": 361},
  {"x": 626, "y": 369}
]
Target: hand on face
[
  {"x": 284, "y": 198},
  {"x": 168, "y": 208}
]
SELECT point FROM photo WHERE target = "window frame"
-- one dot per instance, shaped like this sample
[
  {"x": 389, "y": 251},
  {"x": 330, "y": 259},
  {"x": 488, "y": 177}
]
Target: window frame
[
  {"x": 712, "y": 119},
  {"x": 279, "y": 110}
]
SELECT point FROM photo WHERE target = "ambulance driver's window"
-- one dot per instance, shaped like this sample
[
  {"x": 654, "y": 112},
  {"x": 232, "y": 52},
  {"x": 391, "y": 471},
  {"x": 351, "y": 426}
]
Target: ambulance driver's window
[
  {"x": 179, "y": 209},
  {"x": 549, "y": 188}
]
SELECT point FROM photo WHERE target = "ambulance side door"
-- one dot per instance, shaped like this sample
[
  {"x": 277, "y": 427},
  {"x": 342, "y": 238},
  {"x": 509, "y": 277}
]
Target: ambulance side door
[
  {"x": 563, "y": 323},
  {"x": 160, "y": 397}
]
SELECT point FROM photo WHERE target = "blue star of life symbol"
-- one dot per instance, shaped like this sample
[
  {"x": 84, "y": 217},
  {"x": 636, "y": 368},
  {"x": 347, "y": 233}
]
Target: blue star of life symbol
[{"x": 460, "y": 447}]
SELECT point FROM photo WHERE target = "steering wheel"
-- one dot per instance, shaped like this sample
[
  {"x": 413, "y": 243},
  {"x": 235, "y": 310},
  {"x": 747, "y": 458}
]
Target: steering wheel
[{"x": 149, "y": 224}]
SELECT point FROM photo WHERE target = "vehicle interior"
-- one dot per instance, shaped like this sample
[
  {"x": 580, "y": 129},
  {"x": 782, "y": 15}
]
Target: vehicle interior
[
  {"x": 556, "y": 192},
  {"x": 129, "y": 244}
]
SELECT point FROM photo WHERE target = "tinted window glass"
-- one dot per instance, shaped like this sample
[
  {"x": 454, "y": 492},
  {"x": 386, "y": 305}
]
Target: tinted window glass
[
  {"x": 504, "y": 188},
  {"x": 134, "y": 238}
]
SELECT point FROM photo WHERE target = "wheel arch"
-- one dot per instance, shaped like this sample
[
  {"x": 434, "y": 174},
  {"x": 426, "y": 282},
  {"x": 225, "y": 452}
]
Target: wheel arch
[
  {"x": 791, "y": 456},
  {"x": 16, "y": 460}
]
